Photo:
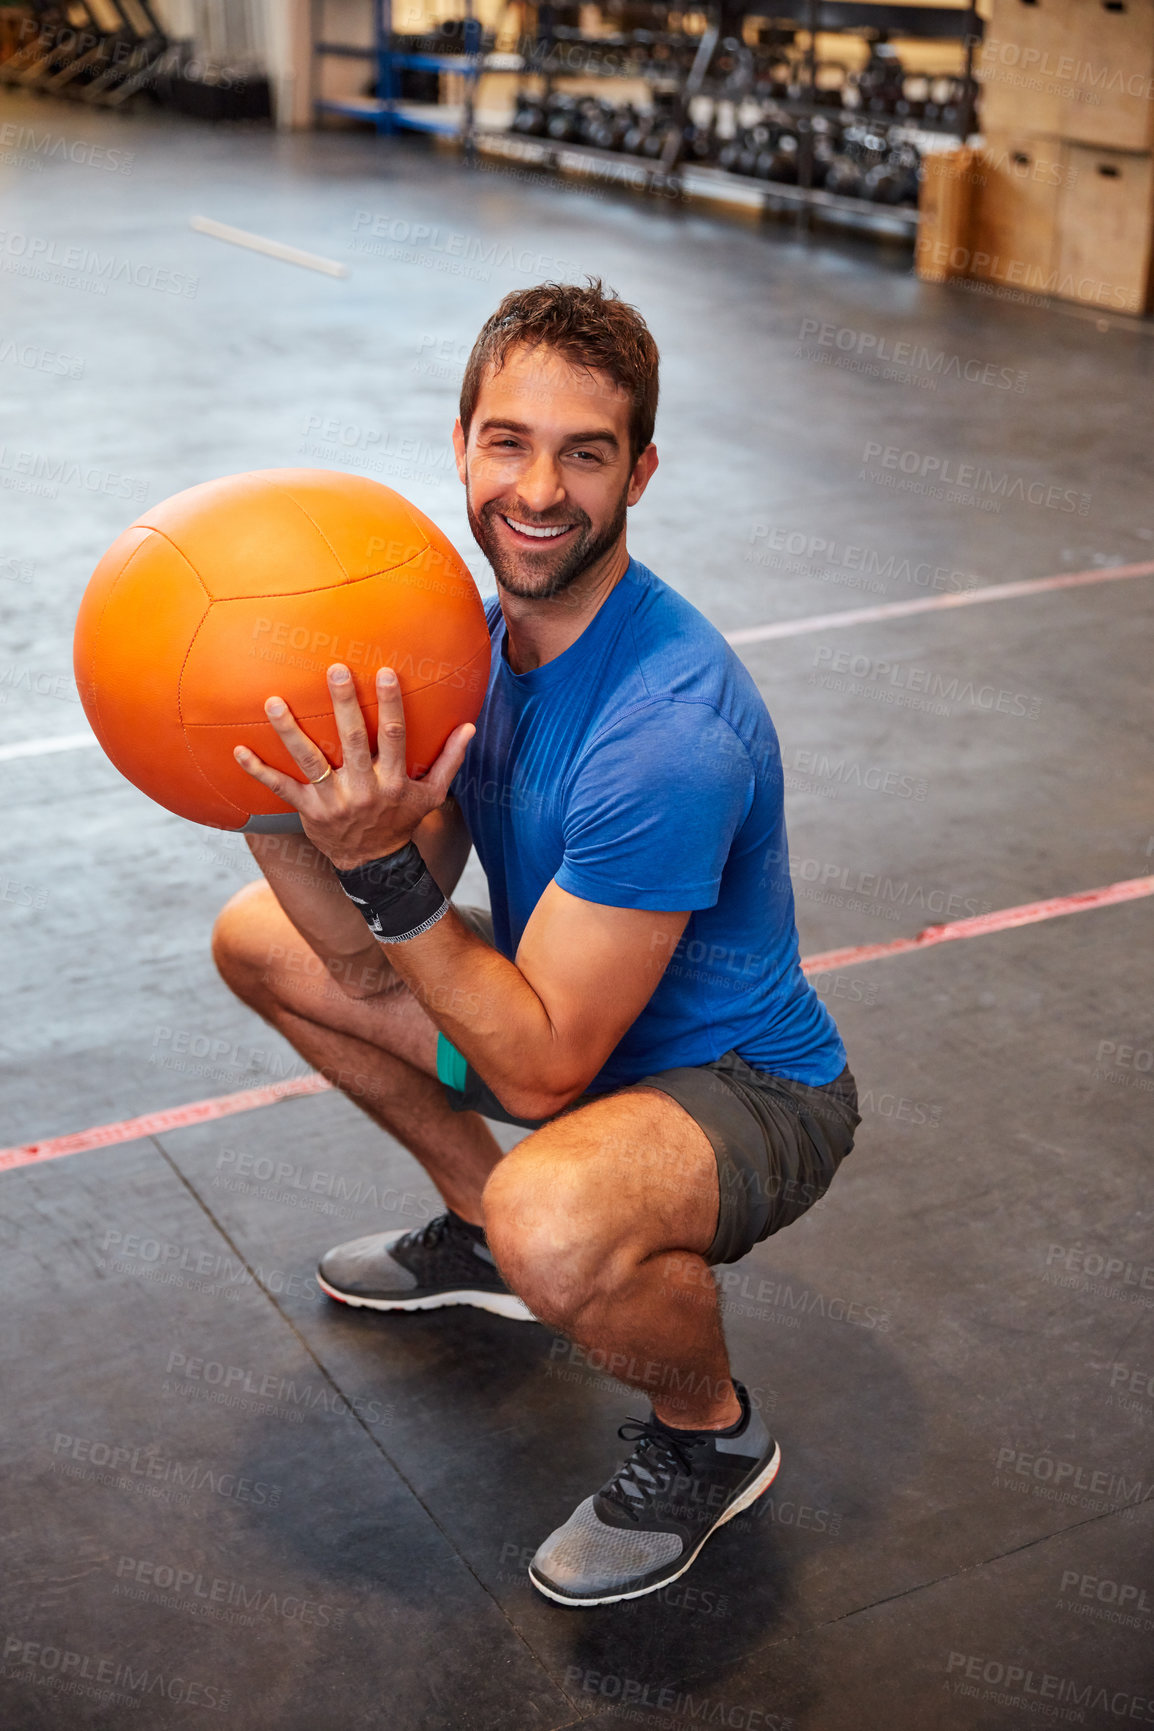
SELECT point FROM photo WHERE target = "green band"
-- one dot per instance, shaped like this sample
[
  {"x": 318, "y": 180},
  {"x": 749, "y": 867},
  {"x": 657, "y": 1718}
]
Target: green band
[{"x": 451, "y": 1065}]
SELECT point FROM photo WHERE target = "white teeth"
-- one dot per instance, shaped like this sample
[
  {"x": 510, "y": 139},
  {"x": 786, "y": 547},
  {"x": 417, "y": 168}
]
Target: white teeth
[{"x": 540, "y": 534}]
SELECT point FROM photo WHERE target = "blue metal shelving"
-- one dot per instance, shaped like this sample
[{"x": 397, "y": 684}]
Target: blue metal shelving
[{"x": 388, "y": 111}]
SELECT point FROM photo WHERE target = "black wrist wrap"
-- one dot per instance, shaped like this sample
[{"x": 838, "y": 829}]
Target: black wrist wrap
[{"x": 397, "y": 895}]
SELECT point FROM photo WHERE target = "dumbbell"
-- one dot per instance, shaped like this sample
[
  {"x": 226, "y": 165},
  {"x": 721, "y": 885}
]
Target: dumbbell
[
  {"x": 528, "y": 116},
  {"x": 844, "y": 176}
]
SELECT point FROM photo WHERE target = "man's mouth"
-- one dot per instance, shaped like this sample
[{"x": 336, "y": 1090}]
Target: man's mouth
[{"x": 536, "y": 531}]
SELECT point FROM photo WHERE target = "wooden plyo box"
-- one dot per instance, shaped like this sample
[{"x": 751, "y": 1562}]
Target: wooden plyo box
[
  {"x": 944, "y": 199},
  {"x": 1106, "y": 226},
  {"x": 1076, "y": 69},
  {"x": 1017, "y": 179},
  {"x": 1024, "y": 44},
  {"x": 1072, "y": 220},
  {"x": 1109, "y": 98}
]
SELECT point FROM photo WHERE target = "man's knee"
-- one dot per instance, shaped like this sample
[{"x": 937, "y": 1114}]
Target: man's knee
[
  {"x": 240, "y": 944},
  {"x": 550, "y": 1230}
]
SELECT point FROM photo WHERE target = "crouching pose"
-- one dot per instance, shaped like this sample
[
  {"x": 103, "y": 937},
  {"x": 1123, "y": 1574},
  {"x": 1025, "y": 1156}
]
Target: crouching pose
[{"x": 634, "y": 998}]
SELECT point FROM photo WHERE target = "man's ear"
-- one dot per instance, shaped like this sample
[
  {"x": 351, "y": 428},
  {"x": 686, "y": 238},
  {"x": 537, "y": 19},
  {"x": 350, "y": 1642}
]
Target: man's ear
[
  {"x": 459, "y": 448},
  {"x": 642, "y": 474}
]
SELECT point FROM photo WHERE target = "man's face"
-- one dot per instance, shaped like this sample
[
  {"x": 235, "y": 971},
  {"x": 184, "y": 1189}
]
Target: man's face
[{"x": 548, "y": 472}]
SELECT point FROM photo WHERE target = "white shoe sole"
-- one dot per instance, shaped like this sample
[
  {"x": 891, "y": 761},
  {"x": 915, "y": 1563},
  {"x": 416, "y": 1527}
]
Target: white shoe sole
[
  {"x": 749, "y": 1495},
  {"x": 496, "y": 1303}
]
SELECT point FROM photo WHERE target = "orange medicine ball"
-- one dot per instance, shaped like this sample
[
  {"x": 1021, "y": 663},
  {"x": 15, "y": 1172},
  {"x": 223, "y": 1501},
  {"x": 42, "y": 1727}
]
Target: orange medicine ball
[{"x": 255, "y": 584}]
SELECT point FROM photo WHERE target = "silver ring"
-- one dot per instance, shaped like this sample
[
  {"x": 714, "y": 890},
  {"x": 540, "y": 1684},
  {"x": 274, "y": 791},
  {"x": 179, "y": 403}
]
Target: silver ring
[{"x": 317, "y": 779}]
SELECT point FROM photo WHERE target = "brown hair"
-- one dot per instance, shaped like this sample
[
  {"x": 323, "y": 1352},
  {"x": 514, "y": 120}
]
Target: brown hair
[{"x": 589, "y": 328}]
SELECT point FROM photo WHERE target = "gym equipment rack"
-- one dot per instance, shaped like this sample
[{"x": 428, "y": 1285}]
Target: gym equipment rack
[
  {"x": 387, "y": 110},
  {"x": 392, "y": 55},
  {"x": 672, "y": 172}
]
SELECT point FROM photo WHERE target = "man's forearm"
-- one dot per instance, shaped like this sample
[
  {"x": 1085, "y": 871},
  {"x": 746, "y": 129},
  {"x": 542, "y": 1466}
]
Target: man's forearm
[{"x": 306, "y": 886}]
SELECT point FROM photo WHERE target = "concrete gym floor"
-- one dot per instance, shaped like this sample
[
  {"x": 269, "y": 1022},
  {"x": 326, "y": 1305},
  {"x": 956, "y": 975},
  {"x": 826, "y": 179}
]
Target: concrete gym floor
[{"x": 230, "y": 1501}]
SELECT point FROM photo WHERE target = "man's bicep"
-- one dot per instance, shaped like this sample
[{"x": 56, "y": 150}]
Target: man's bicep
[{"x": 594, "y": 969}]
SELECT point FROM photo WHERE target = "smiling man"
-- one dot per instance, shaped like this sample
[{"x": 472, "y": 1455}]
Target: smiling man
[{"x": 634, "y": 998}]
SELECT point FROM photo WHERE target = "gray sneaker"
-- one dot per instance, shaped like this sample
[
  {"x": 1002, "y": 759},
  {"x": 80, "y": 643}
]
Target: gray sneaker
[
  {"x": 443, "y": 1262},
  {"x": 645, "y": 1527}
]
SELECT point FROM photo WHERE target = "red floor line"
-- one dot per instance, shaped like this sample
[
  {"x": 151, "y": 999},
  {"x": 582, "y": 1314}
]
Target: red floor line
[
  {"x": 203, "y": 1111},
  {"x": 154, "y": 1123},
  {"x": 1001, "y": 920},
  {"x": 930, "y": 603}
]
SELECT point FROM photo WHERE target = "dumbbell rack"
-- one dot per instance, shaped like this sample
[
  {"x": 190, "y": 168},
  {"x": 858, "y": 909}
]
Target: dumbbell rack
[
  {"x": 707, "y": 181},
  {"x": 388, "y": 111}
]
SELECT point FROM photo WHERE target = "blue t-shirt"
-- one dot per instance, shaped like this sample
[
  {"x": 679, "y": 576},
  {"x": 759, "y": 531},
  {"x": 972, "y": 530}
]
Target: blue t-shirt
[{"x": 640, "y": 769}]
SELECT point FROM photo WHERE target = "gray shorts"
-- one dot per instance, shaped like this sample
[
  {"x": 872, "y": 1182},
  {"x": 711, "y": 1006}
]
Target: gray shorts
[{"x": 777, "y": 1142}]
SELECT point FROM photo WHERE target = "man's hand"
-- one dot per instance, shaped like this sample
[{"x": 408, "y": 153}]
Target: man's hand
[{"x": 369, "y": 807}]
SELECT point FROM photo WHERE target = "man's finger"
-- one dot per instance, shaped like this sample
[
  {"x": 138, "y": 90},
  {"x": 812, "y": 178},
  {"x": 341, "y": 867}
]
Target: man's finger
[
  {"x": 452, "y": 757},
  {"x": 390, "y": 726},
  {"x": 299, "y": 746},
  {"x": 355, "y": 750},
  {"x": 282, "y": 785}
]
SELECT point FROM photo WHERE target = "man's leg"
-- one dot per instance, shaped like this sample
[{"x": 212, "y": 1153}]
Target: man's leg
[
  {"x": 381, "y": 1049},
  {"x": 600, "y": 1220}
]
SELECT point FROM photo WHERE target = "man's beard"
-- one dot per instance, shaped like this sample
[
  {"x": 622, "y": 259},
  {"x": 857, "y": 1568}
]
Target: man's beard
[{"x": 532, "y": 576}]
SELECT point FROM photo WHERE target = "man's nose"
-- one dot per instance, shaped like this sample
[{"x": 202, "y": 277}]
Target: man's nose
[{"x": 540, "y": 487}]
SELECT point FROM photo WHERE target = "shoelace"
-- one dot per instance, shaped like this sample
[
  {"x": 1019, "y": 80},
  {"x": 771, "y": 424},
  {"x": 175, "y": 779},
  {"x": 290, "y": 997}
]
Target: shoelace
[
  {"x": 653, "y": 1463},
  {"x": 430, "y": 1234}
]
